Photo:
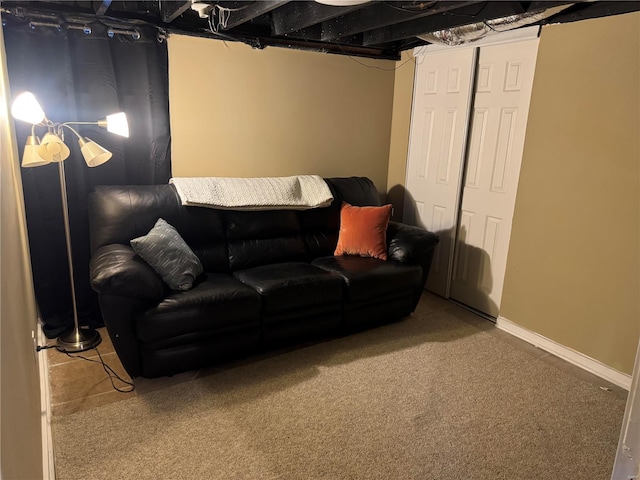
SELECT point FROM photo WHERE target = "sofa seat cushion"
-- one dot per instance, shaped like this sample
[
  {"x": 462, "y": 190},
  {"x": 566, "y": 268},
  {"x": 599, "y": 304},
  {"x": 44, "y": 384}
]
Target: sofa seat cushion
[
  {"x": 367, "y": 278},
  {"x": 287, "y": 286},
  {"x": 217, "y": 302}
]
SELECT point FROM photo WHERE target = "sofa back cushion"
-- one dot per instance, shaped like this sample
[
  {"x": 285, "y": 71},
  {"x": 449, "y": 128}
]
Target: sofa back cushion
[
  {"x": 118, "y": 214},
  {"x": 226, "y": 240},
  {"x": 321, "y": 225},
  {"x": 263, "y": 237},
  {"x": 356, "y": 191}
]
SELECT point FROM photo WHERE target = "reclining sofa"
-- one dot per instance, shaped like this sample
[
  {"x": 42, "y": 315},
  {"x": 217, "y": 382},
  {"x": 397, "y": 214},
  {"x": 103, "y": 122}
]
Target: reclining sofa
[{"x": 270, "y": 277}]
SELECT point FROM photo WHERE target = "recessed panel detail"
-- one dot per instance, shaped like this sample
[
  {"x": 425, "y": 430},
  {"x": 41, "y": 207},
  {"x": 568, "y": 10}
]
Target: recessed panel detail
[
  {"x": 463, "y": 254},
  {"x": 485, "y": 74},
  {"x": 476, "y": 147},
  {"x": 453, "y": 80},
  {"x": 490, "y": 245},
  {"x": 512, "y": 76},
  {"x": 419, "y": 214},
  {"x": 504, "y": 149},
  {"x": 425, "y": 143},
  {"x": 437, "y": 225},
  {"x": 431, "y": 82},
  {"x": 446, "y": 146}
]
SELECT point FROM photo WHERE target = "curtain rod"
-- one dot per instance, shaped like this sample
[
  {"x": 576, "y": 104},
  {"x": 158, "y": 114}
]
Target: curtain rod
[{"x": 59, "y": 21}]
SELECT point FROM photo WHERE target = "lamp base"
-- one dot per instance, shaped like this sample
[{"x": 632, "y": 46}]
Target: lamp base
[{"x": 79, "y": 340}]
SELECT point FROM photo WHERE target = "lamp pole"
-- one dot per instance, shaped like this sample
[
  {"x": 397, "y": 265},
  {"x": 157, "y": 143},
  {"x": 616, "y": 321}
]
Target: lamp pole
[{"x": 77, "y": 340}]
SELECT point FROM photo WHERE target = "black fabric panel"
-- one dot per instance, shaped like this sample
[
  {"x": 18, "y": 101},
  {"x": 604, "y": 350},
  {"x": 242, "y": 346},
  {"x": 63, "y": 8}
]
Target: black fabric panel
[
  {"x": 215, "y": 302},
  {"x": 79, "y": 77},
  {"x": 290, "y": 286}
]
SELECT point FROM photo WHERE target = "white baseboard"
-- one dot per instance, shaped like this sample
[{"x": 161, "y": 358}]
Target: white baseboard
[
  {"x": 572, "y": 356},
  {"x": 48, "y": 465}
]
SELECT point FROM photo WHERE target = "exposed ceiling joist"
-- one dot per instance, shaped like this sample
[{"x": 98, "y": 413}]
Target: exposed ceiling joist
[
  {"x": 101, "y": 7},
  {"x": 172, "y": 10},
  {"x": 469, "y": 14},
  {"x": 382, "y": 15},
  {"x": 376, "y": 29},
  {"x": 299, "y": 15},
  {"x": 594, "y": 10},
  {"x": 250, "y": 11}
]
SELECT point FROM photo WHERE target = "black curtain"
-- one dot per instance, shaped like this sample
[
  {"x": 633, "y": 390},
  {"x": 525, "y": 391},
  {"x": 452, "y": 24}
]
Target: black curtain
[{"x": 83, "y": 77}]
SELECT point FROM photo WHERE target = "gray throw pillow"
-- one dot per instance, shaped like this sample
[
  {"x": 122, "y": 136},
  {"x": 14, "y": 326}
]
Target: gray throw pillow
[{"x": 168, "y": 254}]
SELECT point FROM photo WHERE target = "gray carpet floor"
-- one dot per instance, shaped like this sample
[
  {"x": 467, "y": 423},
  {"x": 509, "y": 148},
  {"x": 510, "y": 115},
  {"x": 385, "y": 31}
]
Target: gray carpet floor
[{"x": 434, "y": 396}]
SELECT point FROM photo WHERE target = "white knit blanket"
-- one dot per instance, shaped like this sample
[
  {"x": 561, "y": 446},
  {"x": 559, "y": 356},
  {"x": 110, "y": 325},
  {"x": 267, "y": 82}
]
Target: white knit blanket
[{"x": 300, "y": 192}]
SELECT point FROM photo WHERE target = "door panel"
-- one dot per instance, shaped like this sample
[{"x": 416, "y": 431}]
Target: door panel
[
  {"x": 441, "y": 102},
  {"x": 496, "y": 143}
]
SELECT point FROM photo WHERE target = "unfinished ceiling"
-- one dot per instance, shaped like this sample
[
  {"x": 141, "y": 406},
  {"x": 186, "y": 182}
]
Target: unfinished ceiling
[{"x": 376, "y": 29}]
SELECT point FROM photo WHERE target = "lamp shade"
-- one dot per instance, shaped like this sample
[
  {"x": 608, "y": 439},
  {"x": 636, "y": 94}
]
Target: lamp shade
[
  {"x": 53, "y": 149},
  {"x": 30, "y": 157},
  {"x": 26, "y": 108},
  {"x": 93, "y": 153},
  {"x": 117, "y": 123}
]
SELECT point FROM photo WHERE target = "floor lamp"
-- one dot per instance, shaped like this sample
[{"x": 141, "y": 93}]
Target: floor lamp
[{"x": 52, "y": 149}]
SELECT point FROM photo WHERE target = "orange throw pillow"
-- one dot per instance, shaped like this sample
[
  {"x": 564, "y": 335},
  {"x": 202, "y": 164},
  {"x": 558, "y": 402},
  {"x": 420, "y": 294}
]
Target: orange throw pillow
[{"x": 363, "y": 231}]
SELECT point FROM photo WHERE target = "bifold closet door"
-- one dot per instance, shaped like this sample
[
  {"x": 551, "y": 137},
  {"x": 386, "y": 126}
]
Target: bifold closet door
[
  {"x": 496, "y": 143},
  {"x": 441, "y": 104}
]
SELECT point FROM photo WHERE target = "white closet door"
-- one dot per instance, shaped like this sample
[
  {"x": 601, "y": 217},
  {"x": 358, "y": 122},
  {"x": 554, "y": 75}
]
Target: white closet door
[
  {"x": 442, "y": 93},
  {"x": 499, "y": 121}
]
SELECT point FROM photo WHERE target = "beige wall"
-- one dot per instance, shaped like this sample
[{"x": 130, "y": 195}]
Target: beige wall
[
  {"x": 240, "y": 112},
  {"x": 572, "y": 272},
  {"x": 401, "y": 120},
  {"x": 573, "y": 267},
  {"x": 284, "y": 112},
  {"x": 20, "y": 439}
]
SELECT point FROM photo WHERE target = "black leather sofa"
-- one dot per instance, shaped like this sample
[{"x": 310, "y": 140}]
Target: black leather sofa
[{"x": 270, "y": 277}]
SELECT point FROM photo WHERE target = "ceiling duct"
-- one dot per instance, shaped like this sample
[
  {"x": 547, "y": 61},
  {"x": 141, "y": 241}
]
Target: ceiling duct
[
  {"x": 202, "y": 8},
  {"x": 476, "y": 31}
]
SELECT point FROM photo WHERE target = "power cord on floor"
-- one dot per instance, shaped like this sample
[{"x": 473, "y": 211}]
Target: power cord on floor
[{"x": 108, "y": 370}]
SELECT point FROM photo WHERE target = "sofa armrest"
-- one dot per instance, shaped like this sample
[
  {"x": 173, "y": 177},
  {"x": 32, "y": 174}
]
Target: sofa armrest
[
  {"x": 410, "y": 244},
  {"x": 414, "y": 245},
  {"x": 116, "y": 270}
]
